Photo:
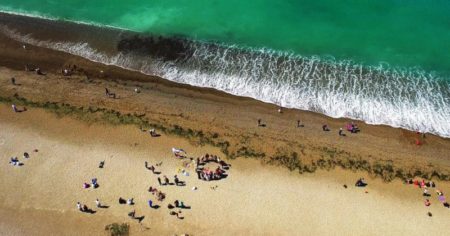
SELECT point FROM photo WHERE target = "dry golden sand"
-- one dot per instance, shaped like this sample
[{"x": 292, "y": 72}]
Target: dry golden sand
[{"x": 40, "y": 197}]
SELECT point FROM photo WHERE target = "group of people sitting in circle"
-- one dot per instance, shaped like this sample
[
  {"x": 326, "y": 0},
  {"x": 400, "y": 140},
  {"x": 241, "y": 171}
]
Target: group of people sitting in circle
[
  {"x": 205, "y": 173},
  {"x": 425, "y": 185}
]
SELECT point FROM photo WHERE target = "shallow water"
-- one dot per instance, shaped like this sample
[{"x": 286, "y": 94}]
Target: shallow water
[{"x": 384, "y": 62}]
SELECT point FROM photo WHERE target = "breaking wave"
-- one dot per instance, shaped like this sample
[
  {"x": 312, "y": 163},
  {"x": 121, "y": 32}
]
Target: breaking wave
[{"x": 400, "y": 97}]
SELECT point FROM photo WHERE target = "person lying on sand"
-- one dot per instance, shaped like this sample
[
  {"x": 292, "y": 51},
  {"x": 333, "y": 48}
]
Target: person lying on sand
[{"x": 325, "y": 127}]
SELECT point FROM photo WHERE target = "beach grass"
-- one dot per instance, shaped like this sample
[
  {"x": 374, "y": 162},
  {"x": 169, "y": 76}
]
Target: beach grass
[
  {"x": 116, "y": 229},
  {"x": 329, "y": 158}
]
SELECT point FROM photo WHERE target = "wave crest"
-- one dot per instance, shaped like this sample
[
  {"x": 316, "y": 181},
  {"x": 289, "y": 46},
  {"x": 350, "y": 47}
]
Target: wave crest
[{"x": 399, "y": 97}]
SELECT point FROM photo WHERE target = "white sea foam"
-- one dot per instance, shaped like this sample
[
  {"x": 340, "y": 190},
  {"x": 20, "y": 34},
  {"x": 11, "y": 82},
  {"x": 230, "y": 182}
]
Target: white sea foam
[{"x": 407, "y": 98}]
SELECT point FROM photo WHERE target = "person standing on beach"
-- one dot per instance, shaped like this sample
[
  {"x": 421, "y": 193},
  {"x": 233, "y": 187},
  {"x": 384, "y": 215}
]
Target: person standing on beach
[
  {"x": 159, "y": 181},
  {"x": 97, "y": 203},
  {"x": 14, "y": 107},
  {"x": 79, "y": 206},
  {"x": 13, "y": 81}
]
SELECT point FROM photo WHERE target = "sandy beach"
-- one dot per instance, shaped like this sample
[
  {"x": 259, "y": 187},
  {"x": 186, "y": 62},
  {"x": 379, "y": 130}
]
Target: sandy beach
[
  {"x": 283, "y": 180},
  {"x": 39, "y": 198}
]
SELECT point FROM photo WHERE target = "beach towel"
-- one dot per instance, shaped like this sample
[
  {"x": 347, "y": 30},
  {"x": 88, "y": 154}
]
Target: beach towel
[{"x": 176, "y": 150}]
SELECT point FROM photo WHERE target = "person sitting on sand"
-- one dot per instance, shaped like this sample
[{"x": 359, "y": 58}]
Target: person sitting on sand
[
  {"x": 79, "y": 206},
  {"x": 159, "y": 181},
  {"x": 166, "y": 180},
  {"x": 325, "y": 127},
  {"x": 122, "y": 201},
  {"x": 153, "y": 133},
  {"x": 86, "y": 185},
  {"x": 427, "y": 202},
  {"x": 260, "y": 124},
  {"x": 176, "y": 180},
  {"x": 26, "y": 155},
  {"x": 97, "y": 203},
  {"x": 299, "y": 124},
  {"x": 38, "y": 71},
  {"x": 150, "y": 203},
  {"x": 432, "y": 184},
  {"x": 132, "y": 214},
  {"x": 360, "y": 183},
  {"x": 130, "y": 201},
  {"x": 101, "y": 164},
  {"x": 94, "y": 183},
  {"x": 14, "y": 161},
  {"x": 341, "y": 132},
  {"x": 425, "y": 192},
  {"x": 109, "y": 94}
]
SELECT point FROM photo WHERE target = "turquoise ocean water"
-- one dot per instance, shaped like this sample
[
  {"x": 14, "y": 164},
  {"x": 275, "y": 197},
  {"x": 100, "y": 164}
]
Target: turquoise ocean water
[{"x": 385, "y": 61}]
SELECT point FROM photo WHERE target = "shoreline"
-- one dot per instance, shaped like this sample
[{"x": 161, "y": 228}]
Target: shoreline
[
  {"x": 56, "y": 30},
  {"x": 381, "y": 150}
]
